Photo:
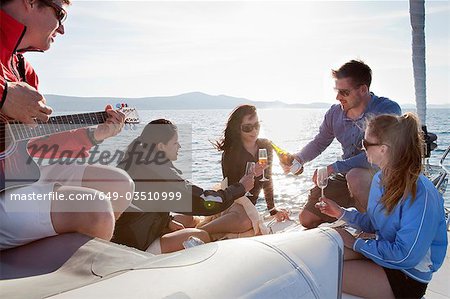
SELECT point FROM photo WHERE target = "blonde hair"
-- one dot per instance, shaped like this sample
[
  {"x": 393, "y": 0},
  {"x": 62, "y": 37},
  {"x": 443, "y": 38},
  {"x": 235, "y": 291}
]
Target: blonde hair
[{"x": 405, "y": 148}]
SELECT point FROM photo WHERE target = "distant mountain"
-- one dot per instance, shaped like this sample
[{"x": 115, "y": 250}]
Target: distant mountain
[
  {"x": 186, "y": 101},
  {"x": 413, "y": 107}
]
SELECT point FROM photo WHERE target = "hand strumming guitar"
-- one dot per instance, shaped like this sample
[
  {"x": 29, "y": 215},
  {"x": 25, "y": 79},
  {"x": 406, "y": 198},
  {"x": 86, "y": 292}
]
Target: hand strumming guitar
[{"x": 25, "y": 104}]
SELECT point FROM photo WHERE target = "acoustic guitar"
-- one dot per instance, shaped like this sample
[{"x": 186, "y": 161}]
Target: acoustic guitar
[{"x": 16, "y": 165}]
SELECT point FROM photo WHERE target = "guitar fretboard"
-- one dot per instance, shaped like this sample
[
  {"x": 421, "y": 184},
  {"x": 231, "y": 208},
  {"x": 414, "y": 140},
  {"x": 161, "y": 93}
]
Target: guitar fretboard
[{"x": 57, "y": 124}]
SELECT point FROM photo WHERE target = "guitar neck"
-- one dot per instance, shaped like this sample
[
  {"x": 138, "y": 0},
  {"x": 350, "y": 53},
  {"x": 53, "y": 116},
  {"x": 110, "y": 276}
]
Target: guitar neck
[{"x": 56, "y": 124}]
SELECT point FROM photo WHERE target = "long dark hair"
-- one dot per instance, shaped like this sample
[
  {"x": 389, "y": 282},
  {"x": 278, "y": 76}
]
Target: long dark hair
[
  {"x": 232, "y": 132},
  {"x": 157, "y": 131},
  {"x": 405, "y": 141}
]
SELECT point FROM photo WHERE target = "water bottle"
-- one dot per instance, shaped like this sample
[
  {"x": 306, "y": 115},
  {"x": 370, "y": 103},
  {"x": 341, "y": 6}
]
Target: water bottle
[{"x": 192, "y": 242}]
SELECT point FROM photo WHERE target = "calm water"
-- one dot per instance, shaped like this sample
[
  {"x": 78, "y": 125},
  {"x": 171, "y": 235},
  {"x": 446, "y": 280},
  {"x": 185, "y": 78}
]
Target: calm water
[{"x": 289, "y": 128}]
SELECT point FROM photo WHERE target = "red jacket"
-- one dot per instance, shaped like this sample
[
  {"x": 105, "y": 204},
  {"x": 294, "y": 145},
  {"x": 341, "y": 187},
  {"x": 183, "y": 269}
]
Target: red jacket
[{"x": 14, "y": 68}]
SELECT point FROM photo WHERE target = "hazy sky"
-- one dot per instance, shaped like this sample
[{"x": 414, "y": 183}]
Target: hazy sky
[{"x": 269, "y": 50}]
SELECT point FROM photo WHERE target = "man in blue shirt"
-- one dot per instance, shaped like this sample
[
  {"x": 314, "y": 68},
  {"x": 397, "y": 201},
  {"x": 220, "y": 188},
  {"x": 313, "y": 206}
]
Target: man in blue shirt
[{"x": 349, "y": 179}]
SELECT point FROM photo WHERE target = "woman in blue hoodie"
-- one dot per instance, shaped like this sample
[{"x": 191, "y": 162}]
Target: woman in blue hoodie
[{"x": 405, "y": 237}]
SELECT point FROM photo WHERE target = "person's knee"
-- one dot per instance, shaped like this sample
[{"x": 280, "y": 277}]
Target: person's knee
[
  {"x": 93, "y": 217},
  {"x": 187, "y": 220},
  {"x": 308, "y": 219},
  {"x": 98, "y": 224},
  {"x": 241, "y": 219},
  {"x": 244, "y": 222},
  {"x": 114, "y": 178},
  {"x": 98, "y": 221},
  {"x": 203, "y": 235},
  {"x": 123, "y": 183},
  {"x": 125, "y": 180},
  {"x": 358, "y": 183},
  {"x": 357, "y": 178},
  {"x": 125, "y": 186}
]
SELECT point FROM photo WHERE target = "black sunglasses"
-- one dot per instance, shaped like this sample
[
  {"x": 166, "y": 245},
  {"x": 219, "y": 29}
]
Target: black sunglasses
[
  {"x": 346, "y": 92},
  {"x": 247, "y": 128},
  {"x": 366, "y": 144},
  {"x": 61, "y": 13}
]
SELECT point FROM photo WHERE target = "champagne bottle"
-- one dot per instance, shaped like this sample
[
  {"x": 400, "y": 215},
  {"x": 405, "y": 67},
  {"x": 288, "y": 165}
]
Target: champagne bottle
[{"x": 288, "y": 159}]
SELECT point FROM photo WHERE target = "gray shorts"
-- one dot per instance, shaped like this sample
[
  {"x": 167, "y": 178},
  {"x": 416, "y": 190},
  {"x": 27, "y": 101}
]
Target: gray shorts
[{"x": 22, "y": 219}]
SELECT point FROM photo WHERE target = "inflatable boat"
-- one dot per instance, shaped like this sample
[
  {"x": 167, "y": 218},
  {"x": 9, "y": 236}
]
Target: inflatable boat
[
  {"x": 294, "y": 264},
  {"x": 300, "y": 264}
]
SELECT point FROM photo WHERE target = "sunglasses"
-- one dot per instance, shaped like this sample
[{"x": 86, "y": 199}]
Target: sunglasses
[
  {"x": 366, "y": 144},
  {"x": 247, "y": 128},
  {"x": 61, "y": 13},
  {"x": 346, "y": 92},
  {"x": 343, "y": 92}
]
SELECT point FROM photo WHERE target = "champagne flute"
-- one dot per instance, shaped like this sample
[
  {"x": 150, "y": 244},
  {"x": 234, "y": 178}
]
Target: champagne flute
[
  {"x": 262, "y": 159},
  {"x": 249, "y": 168},
  {"x": 322, "y": 180}
]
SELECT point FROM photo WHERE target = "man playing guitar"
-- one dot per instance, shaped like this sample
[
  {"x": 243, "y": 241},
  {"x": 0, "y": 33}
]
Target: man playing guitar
[{"x": 32, "y": 25}]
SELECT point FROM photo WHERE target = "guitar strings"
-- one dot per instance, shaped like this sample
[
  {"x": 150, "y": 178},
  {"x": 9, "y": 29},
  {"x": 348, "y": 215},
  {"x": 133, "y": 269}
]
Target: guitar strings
[
  {"x": 83, "y": 120},
  {"x": 22, "y": 131}
]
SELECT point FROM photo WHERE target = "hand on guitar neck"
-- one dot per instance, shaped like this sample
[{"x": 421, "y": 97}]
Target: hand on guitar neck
[
  {"x": 14, "y": 149},
  {"x": 112, "y": 126},
  {"x": 25, "y": 104}
]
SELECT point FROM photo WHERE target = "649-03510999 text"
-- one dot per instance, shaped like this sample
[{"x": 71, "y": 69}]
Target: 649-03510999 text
[{"x": 141, "y": 196}]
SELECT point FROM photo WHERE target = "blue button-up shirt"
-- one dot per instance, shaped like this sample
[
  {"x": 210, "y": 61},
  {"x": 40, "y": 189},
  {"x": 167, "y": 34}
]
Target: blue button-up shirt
[{"x": 349, "y": 133}]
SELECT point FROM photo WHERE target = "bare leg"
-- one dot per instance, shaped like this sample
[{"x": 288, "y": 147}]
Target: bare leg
[
  {"x": 358, "y": 181},
  {"x": 94, "y": 218},
  {"x": 308, "y": 219},
  {"x": 235, "y": 221},
  {"x": 174, "y": 241},
  {"x": 356, "y": 282},
  {"x": 352, "y": 255},
  {"x": 110, "y": 180},
  {"x": 337, "y": 189}
]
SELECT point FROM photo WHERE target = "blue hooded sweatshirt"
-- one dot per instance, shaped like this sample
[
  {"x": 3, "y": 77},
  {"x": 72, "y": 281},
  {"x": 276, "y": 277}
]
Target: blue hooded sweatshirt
[{"x": 412, "y": 238}]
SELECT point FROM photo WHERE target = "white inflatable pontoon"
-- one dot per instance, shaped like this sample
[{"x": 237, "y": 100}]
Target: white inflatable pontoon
[{"x": 305, "y": 264}]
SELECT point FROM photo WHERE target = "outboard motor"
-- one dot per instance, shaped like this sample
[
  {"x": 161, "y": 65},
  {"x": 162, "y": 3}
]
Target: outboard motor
[
  {"x": 437, "y": 174},
  {"x": 430, "y": 143}
]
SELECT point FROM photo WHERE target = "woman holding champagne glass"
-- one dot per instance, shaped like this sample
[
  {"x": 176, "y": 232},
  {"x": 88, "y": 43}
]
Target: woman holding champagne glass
[
  {"x": 240, "y": 145},
  {"x": 405, "y": 217}
]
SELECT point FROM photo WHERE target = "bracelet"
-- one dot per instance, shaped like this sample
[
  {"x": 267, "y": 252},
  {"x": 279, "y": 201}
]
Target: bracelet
[
  {"x": 90, "y": 134},
  {"x": 273, "y": 211}
]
